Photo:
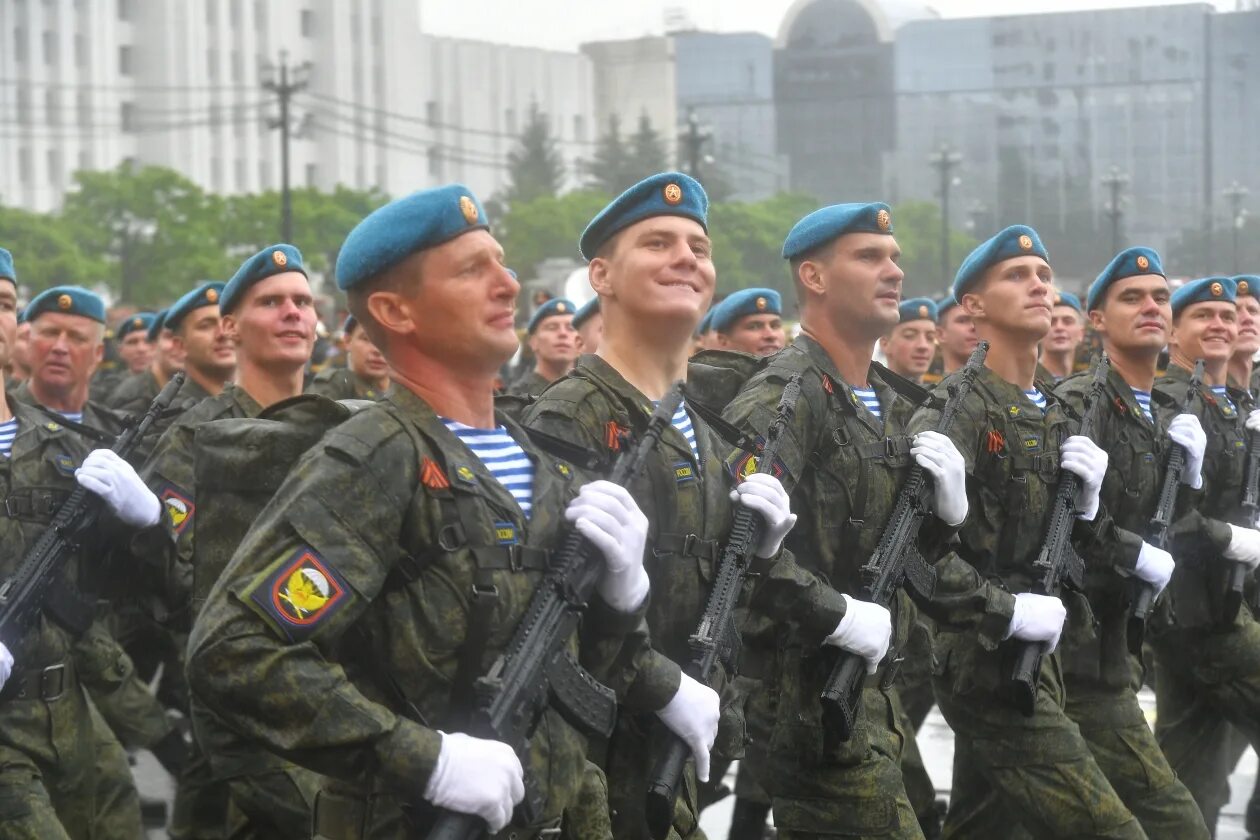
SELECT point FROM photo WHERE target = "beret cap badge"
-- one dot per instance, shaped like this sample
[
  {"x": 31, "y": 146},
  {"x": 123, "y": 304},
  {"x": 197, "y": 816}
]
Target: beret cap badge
[
  {"x": 468, "y": 208},
  {"x": 1143, "y": 263},
  {"x": 137, "y": 323},
  {"x": 1025, "y": 242},
  {"x": 279, "y": 258},
  {"x": 761, "y": 304},
  {"x": 212, "y": 295},
  {"x": 1243, "y": 287},
  {"x": 1217, "y": 290},
  {"x": 64, "y": 302},
  {"x": 923, "y": 311},
  {"x": 883, "y": 220},
  {"x": 561, "y": 308},
  {"x": 672, "y": 194}
]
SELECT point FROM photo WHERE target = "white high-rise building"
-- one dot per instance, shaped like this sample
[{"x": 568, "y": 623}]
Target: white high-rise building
[{"x": 88, "y": 84}]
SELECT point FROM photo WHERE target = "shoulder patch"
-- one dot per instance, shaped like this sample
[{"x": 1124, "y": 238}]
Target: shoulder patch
[
  {"x": 431, "y": 475},
  {"x": 178, "y": 504},
  {"x": 300, "y": 593},
  {"x": 64, "y": 464},
  {"x": 743, "y": 464}
]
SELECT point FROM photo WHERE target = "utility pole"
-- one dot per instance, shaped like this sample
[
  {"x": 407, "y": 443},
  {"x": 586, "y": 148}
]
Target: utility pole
[
  {"x": 694, "y": 139},
  {"x": 1115, "y": 181},
  {"x": 1236, "y": 193},
  {"x": 284, "y": 89},
  {"x": 944, "y": 160}
]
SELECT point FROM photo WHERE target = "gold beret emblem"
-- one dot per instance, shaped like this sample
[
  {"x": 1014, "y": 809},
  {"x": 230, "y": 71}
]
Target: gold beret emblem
[
  {"x": 136, "y": 323},
  {"x": 672, "y": 194},
  {"x": 1217, "y": 290},
  {"x": 561, "y": 308},
  {"x": 469, "y": 209},
  {"x": 1143, "y": 263},
  {"x": 1243, "y": 287},
  {"x": 883, "y": 220},
  {"x": 64, "y": 302},
  {"x": 923, "y": 311},
  {"x": 279, "y": 258},
  {"x": 212, "y": 295},
  {"x": 1025, "y": 242},
  {"x": 761, "y": 304},
  {"x": 1058, "y": 299}
]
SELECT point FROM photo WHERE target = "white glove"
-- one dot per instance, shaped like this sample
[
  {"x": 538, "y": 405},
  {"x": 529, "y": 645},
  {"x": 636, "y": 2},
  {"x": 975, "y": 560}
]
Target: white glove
[
  {"x": 1253, "y": 420},
  {"x": 764, "y": 494},
  {"x": 105, "y": 474},
  {"x": 477, "y": 776},
  {"x": 866, "y": 630},
  {"x": 1037, "y": 618},
  {"x": 1186, "y": 430},
  {"x": 692, "y": 714},
  {"x": 606, "y": 515},
  {"x": 940, "y": 459},
  {"x": 1244, "y": 546},
  {"x": 1082, "y": 456},
  {"x": 6, "y": 664},
  {"x": 1155, "y": 566}
]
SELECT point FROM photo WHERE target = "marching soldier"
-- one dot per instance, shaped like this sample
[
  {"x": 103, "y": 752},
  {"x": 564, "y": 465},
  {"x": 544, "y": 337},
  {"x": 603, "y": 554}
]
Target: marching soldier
[
  {"x": 909, "y": 345},
  {"x": 749, "y": 321},
  {"x": 1129, "y": 308},
  {"x": 1067, "y": 331},
  {"x": 366, "y": 374},
  {"x": 397, "y": 559},
  {"x": 553, "y": 344},
  {"x": 135, "y": 350},
  {"x": 589, "y": 323},
  {"x": 955, "y": 334},
  {"x": 1244, "y": 374}
]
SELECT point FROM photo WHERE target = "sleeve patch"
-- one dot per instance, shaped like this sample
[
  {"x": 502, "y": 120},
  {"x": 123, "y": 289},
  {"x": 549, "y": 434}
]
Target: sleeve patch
[
  {"x": 301, "y": 593},
  {"x": 178, "y": 505}
]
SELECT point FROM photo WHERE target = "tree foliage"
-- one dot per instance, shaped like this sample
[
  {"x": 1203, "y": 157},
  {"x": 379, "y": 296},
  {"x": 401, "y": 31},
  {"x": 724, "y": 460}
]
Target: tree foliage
[
  {"x": 535, "y": 166},
  {"x": 546, "y": 227},
  {"x": 917, "y": 228},
  {"x": 46, "y": 252}
]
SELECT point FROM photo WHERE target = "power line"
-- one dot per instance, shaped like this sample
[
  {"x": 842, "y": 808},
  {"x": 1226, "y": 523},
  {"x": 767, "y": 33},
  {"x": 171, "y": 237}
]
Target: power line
[{"x": 126, "y": 88}]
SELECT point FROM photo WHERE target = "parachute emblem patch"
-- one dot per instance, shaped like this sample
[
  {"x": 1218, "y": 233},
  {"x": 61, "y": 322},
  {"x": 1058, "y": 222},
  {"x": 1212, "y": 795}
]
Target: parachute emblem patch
[
  {"x": 301, "y": 593},
  {"x": 178, "y": 506}
]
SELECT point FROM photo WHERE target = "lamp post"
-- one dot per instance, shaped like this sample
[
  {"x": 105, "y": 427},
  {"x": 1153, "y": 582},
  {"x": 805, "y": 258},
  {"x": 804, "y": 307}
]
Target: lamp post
[
  {"x": 1236, "y": 193},
  {"x": 1115, "y": 181},
  {"x": 944, "y": 160}
]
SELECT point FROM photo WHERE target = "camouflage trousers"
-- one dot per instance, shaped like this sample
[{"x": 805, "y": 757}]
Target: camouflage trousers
[
  {"x": 632, "y": 750},
  {"x": 1207, "y": 682},
  {"x": 587, "y": 816},
  {"x": 1038, "y": 771},
  {"x": 914, "y": 690}
]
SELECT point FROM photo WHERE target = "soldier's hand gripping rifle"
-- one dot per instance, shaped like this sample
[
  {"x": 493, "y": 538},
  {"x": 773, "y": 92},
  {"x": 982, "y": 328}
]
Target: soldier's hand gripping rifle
[
  {"x": 537, "y": 669},
  {"x": 1058, "y": 563},
  {"x": 895, "y": 562},
  {"x": 23, "y": 595},
  {"x": 1143, "y": 596},
  {"x": 716, "y": 639}
]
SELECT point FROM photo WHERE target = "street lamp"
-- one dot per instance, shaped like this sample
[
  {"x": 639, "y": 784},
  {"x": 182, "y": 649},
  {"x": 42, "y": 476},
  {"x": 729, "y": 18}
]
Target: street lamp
[
  {"x": 975, "y": 213},
  {"x": 1236, "y": 193},
  {"x": 944, "y": 160},
  {"x": 1115, "y": 181}
]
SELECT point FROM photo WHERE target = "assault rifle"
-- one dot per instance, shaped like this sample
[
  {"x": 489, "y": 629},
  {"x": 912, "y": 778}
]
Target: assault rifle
[
  {"x": 716, "y": 639},
  {"x": 1058, "y": 562},
  {"x": 895, "y": 562},
  {"x": 1143, "y": 596},
  {"x": 27, "y": 592},
  {"x": 537, "y": 667}
]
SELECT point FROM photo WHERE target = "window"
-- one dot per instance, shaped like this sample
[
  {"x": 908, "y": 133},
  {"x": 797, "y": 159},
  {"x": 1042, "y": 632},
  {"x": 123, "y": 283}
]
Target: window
[
  {"x": 212, "y": 64},
  {"x": 24, "y": 165},
  {"x": 80, "y": 51},
  {"x": 235, "y": 13},
  {"x": 579, "y": 128},
  {"x": 54, "y": 166},
  {"x": 260, "y": 15},
  {"x": 83, "y": 104},
  {"x": 52, "y": 107},
  {"x": 127, "y": 115},
  {"x": 124, "y": 9},
  {"x": 24, "y": 104},
  {"x": 238, "y": 70},
  {"x": 210, "y": 7},
  {"x": 312, "y": 171},
  {"x": 124, "y": 60},
  {"x": 19, "y": 44},
  {"x": 216, "y": 174},
  {"x": 308, "y": 23},
  {"x": 50, "y": 47},
  {"x": 240, "y": 175}
]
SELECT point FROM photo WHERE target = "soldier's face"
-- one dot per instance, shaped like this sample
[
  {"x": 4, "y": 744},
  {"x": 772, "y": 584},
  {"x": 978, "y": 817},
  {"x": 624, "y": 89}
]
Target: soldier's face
[
  {"x": 1013, "y": 298},
  {"x": 1205, "y": 330},
  {"x": 21, "y": 357},
  {"x": 274, "y": 324},
  {"x": 909, "y": 348},
  {"x": 205, "y": 344},
  {"x": 135, "y": 351},
  {"x": 1248, "y": 325},
  {"x": 659, "y": 269},
  {"x": 8, "y": 321},
  {"x": 170, "y": 353},
  {"x": 554, "y": 341},
  {"x": 590, "y": 333},
  {"x": 861, "y": 283},
  {"x": 65, "y": 349},
  {"x": 1067, "y": 330},
  {"x": 365, "y": 358},
  {"x": 956, "y": 332},
  {"x": 1135, "y": 314},
  {"x": 760, "y": 335}
]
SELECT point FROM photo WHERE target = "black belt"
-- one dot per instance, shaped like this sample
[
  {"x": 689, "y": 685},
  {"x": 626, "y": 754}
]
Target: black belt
[
  {"x": 534, "y": 832},
  {"x": 689, "y": 545},
  {"x": 49, "y": 683}
]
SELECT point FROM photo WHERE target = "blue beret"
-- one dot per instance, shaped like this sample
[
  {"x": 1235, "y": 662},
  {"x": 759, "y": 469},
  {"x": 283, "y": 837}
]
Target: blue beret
[
  {"x": 944, "y": 304},
  {"x": 744, "y": 302},
  {"x": 591, "y": 307},
  {"x": 1014, "y": 241},
  {"x": 70, "y": 300},
  {"x": 1246, "y": 284},
  {"x": 918, "y": 309},
  {"x": 555, "y": 306},
  {"x": 1131, "y": 262},
  {"x": 824, "y": 225},
  {"x": 706, "y": 323},
  {"x": 159, "y": 321},
  {"x": 348, "y": 325},
  {"x": 7, "y": 271},
  {"x": 207, "y": 294},
  {"x": 137, "y": 322},
  {"x": 665, "y": 194},
  {"x": 392, "y": 233},
  {"x": 1207, "y": 289},
  {"x": 272, "y": 260},
  {"x": 1068, "y": 299}
]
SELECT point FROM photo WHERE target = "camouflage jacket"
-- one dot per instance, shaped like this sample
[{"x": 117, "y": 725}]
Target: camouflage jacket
[
  {"x": 335, "y": 635},
  {"x": 528, "y": 385},
  {"x": 103, "y": 422},
  {"x": 133, "y": 392},
  {"x": 343, "y": 384}
]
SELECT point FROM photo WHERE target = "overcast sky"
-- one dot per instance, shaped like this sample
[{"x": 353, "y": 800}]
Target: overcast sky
[{"x": 563, "y": 24}]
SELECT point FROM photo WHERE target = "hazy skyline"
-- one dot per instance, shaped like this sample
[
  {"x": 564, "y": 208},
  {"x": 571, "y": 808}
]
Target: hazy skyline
[{"x": 564, "y": 24}]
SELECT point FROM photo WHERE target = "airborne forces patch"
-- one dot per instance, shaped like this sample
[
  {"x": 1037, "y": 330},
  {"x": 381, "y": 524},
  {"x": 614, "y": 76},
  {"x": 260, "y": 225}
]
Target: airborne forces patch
[
  {"x": 178, "y": 505},
  {"x": 300, "y": 594}
]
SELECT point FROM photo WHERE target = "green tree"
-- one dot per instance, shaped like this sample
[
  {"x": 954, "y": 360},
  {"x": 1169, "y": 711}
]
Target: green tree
[
  {"x": 45, "y": 251},
  {"x": 917, "y": 226},
  {"x": 748, "y": 242},
  {"x": 321, "y": 221},
  {"x": 535, "y": 166},
  {"x": 548, "y": 226},
  {"x": 608, "y": 170},
  {"x": 646, "y": 154}
]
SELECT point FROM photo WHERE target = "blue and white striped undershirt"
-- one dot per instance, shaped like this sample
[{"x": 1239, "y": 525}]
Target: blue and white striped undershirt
[
  {"x": 1144, "y": 402},
  {"x": 8, "y": 431},
  {"x": 1222, "y": 394},
  {"x": 869, "y": 399},
  {"x": 503, "y": 457},
  {"x": 1038, "y": 399},
  {"x": 682, "y": 422},
  {"x": 72, "y": 416}
]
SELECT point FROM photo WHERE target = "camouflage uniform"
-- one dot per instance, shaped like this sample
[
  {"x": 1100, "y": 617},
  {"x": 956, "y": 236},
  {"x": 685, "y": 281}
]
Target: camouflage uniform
[
  {"x": 338, "y": 383},
  {"x": 401, "y": 520},
  {"x": 1207, "y": 675},
  {"x": 134, "y": 392},
  {"x": 96, "y": 417},
  {"x": 58, "y": 760},
  {"x": 530, "y": 385},
  {"x": 914, "y": 689},
  {"x": 1009, "y": 768},
  {"x": 1099, "y": 673},
  {"x": 843, "y": 468},
  {"x": 105, "y": 380}
]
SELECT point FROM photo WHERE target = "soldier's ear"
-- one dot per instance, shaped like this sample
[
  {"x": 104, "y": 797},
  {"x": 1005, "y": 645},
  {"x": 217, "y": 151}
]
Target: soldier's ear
[
  {"x": 1096, "y": 320},
  {"x": 810, "y": 276},
  {"x": 392, "y": 311},
  {"x": 597, "y": 275},
  {"x": 972, "y": 305}
]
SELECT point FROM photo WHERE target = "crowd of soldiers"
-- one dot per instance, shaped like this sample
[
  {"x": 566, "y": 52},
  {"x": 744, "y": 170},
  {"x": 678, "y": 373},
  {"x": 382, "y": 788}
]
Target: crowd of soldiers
[{"x": 300, "y": 582}]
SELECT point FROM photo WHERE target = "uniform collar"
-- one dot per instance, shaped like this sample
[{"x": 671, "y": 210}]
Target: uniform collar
[{"x": 822, "y": 360}]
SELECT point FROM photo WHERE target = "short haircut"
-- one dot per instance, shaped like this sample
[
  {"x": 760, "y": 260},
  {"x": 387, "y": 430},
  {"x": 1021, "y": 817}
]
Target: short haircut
[{"x": 402, "y": 278}]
